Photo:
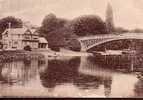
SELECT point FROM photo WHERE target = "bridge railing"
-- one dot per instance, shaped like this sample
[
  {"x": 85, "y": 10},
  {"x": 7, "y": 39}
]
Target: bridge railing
[{"x": 89, "y": 42}]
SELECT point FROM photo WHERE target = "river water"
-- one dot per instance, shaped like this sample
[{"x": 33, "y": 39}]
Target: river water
[{"x": 92, "y": 76}]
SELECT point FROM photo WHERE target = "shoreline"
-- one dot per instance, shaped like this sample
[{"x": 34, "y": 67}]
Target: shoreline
[
  {"x": 7, "y": 56},
  {"x": 64, "y": 52}
]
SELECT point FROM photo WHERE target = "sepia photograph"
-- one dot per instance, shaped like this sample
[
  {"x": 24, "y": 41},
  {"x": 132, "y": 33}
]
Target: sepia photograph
[{"x": 71, "y": 48}]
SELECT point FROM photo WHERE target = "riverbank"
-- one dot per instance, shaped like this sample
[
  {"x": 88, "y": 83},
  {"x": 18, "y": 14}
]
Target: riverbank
[
  {"x": 6, "y": 56},
  {"x": 63, "y": 52}
]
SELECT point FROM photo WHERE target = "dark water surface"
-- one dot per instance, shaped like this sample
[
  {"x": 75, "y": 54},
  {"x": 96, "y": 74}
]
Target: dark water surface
[{"x": 110, "y": 76}]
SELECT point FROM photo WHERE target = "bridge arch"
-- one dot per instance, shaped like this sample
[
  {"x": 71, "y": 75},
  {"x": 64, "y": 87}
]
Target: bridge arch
[
  {"x": 91, "y": 42},
  {"x": 117, "y": 45},
  {"x": 103, "y": 42}
]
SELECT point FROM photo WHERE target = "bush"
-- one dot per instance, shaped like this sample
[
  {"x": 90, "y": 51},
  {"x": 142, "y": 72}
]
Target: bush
[
  {"x": 57, "y": 49},
  {"x": 27, "y": 48},
  {"x": 74, "y": 45}
]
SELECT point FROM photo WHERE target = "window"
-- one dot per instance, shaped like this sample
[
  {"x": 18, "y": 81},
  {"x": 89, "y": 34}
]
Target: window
[
  {"x": 35, "y": 38},
  {"x": 14, "y": 47},
  {"x": 27, "y": 36},
  {"x": 18, "y": 35}
]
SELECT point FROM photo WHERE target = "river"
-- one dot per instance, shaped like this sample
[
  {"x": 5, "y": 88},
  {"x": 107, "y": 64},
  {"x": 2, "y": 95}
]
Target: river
[{"x": 86, "y": 76}]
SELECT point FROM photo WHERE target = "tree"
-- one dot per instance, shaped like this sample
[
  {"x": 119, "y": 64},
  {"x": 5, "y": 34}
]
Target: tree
[
  {"x": 60, "y": 32},
  {"x": 109, "y": 19},
  {"x": 88, "y": 25},
  {"x": 56, "y": 39},
  {"x": 74, "y": 45},
  {"x": 121, "y": 30},
  {"x": 53, "y": 29},
  {"x": 15, "y": 23},
  {"x": 51, "y": 23},
  {"x": 137, "y": 30}
]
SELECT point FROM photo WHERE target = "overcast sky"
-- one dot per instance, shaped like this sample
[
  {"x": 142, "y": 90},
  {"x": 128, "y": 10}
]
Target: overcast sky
[{"x": 127, "y": 13}]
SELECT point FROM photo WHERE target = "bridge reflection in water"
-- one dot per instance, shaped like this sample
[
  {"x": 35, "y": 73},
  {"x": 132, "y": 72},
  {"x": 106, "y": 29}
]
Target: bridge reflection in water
[{"x": 74, "y": 77}]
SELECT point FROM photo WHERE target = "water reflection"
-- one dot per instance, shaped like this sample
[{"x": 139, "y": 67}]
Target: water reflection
[
  {"x": 19, "y": 71},
  {"x": 122, "y": 63},
  {"x": 139, "y": 86},
  {"x": 18, "y": 77},
  {"x": 74, "y": 77},
  {"x": 59, "y": 71}
]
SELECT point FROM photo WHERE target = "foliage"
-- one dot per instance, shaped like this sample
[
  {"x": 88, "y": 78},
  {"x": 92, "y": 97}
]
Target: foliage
[
  {"x": 51, "y": 23},
  {"x": 74, "y": 45},
  {"x": 61, "y": 32},
  {"x": 53, "y": 29},
  {"x": 27, "y": 48},
  {"x": 88, "y": 25},
  {"x": 121, "y": 30},
  {"x": 56, "y": 38},
  {"x": 137, "y": 30},
  {"x": 15, "y": 23}
]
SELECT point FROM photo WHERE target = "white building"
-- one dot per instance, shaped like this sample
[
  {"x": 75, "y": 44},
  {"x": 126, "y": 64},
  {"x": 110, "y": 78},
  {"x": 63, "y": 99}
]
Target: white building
[{"x": 18, "y": 38}]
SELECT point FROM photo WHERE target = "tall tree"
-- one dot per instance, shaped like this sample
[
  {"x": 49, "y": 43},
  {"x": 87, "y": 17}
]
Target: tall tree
[
  {"x": 88, "y": 25},
  {"x": 109, "y": 18},
  {"x": 52, "y": 29},
  {"x": 15, "y": 23},
  {"x": 51, "y": 23}
]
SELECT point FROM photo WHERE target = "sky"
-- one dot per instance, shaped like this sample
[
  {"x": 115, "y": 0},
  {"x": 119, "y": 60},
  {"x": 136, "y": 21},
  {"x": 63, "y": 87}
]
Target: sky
[{"x": 127, "y": 13}]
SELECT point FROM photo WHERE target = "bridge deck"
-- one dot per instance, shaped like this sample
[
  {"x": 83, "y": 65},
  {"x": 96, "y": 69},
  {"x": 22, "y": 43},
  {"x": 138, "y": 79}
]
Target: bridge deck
[
  {"x": 110, "y": 35},
  {"x": 91, "y": 41}
]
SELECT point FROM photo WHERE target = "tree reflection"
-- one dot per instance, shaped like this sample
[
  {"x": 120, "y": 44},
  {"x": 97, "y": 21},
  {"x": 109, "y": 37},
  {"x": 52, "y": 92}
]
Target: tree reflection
[
  {"x": 93, "y": 82},
  {"x": 138, "y": 88},
  {"x": 107, "y": 86},
  {"x": 87, "y": 81},
  {"x": 59, "y": 71},
  {"x": 93, "y": 76}
]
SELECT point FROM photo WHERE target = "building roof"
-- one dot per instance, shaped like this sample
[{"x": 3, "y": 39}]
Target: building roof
[
  {"x": 42, "y": 40},
  {"x": 15, "y": 31},
  {"x": 34, "y": 31},
  {"x": 18, "y": 31}
]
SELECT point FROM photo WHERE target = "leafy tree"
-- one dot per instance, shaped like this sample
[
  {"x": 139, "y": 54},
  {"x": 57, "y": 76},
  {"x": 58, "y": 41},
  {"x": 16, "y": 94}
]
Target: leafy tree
[
  {"x": 88, "y": 25},
  {"x": 61, "y": 32},
  {"x": 56, "y": 39},
  {"x": 53, "y": 29},
  {"x": 74, "y": 45},
  {"x": 51, "y": 23},
  {"x": 15, "y": 23}
]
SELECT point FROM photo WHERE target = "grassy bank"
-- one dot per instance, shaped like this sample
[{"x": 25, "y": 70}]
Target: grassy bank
[{"x": 6, "y": 56}]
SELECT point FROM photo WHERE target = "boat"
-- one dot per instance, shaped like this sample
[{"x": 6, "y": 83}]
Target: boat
[
  {"x": 128, "y": 51},
  {"x": 108, "y": 52}
]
